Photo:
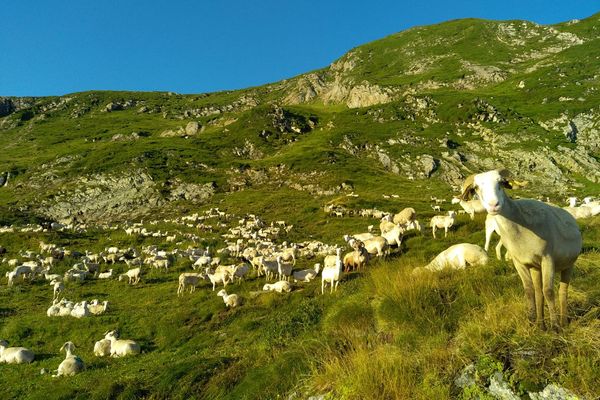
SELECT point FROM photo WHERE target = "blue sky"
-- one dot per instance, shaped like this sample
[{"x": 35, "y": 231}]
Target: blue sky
[{"x": 59, "y": 47}]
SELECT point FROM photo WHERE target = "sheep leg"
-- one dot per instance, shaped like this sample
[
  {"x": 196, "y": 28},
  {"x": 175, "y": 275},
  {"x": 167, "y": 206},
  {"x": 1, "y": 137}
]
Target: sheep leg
[
  {"x": 548, "y": 267},
  {"x": 565, "y": 278},
  {"x": 540, "y": 291},
  {"x": 498, "y": 250},
  {"x": 322, "y": 287},
  {"x": 528, "y": 287},
  {"x": 433, "y": 231}
]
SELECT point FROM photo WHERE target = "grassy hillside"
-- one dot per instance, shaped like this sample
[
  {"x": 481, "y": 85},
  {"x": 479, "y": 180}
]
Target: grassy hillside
[{"x": 389, "y": 125}]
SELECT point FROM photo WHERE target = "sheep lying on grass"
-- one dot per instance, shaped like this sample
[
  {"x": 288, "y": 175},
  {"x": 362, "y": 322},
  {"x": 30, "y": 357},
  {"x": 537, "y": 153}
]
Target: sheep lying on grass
[
  {"x": 14, "y": 355},
  {"x": 542, "y": 240},
  {"x": 307, "y": 275},
  {"x": 458, "y": 256},
  {"x": 280, "y": 287},
  {"x": 121, "y": 347},
  {"x": 72, "y": 364}
]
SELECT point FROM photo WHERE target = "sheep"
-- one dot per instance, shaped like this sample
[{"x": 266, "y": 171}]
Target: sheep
[
  {"x": 217, "y": 277},
  {"x": 121, "y": 347},
  {"x": 106, "y": 275},
  {"x": 268, "y": 267},
  {"x": 385, "y": 226},
  {"x": 459, "y": 256},
  {"x": 284, "y": 269},
  {"x": 80, "y": 310},
  {"x": 377, "y": 245},
  {"x": 332, "y": 273},
  {"x": 394, "y": 236},
  {"x": 97, "y": 308},
  {"x": 307, "y": 275},
  {"x": 102, "y": 348},
  {"x": 72, "y": 364},
  {"x": 59, "y": 287},
  {"x": 231, "y": 300},
  {"x": 490, "y": 227},
  {"x": 471, "y": 207},
  {"x": 133, "y": 276},
  {"x": 189, "y": 279},
  {"x": 442, "y": 221},
  {"x": 330, "y": 261},
  {"x": 15, "y": 355},
  {"x": 542, "y": 240},
  {"x": 356, "y": 259},
  {"x": 241, "y": 270},
  {"x": 405, "y": 216},
  {"x": 280, "y": 287}
]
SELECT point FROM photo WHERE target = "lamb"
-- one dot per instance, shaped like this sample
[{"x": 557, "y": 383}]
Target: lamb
[
  {"x": 471, "y": 207},
  {"x": 280, "y": 287},
  {"x": 542, "y": 240},
  {"x": 102, "y": 348},
  {"x": 121, "y": 347},
  {"x": 231, "y": 300},
  {"x": 459, "y": 256},
  {"x": 332, "y": 273},
  {"x": 307, "y": 275},
  {"x": 14, "y": 355},
  {"x": 72, "y": 364},
  {"x": 189, "y": 279},
  {"x": 443, "y": 221},
  {"x": 217, "y": 277},
  {"x": 133, "y": 276}
]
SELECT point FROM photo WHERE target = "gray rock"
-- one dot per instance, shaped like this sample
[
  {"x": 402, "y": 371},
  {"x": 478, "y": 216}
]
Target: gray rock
[
  {"x": 192, "y": 128},
  {"x": 429, "y": 164},
  {"x": 554, "y": 392},
  {"x": 500, "y": 389},
  {"x": 466, "y": 377}
]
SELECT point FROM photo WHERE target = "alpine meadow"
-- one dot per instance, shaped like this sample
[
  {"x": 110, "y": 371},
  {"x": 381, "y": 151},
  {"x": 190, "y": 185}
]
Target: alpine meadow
[{"x": 123, "y": 215}]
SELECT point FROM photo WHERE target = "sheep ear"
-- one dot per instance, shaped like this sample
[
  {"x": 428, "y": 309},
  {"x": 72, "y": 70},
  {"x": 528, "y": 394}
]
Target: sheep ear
[
  {"x": 507, "y": 180},
  {"x": 467, "y": 188}
]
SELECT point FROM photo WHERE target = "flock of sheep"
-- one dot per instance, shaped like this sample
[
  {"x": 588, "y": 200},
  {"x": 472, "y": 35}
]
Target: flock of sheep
[{"x": 542, "y": 241}]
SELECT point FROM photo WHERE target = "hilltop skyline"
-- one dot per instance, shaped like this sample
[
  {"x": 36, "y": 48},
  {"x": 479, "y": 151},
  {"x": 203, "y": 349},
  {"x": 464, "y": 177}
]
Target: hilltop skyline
[{"x": 56, "y": 49}]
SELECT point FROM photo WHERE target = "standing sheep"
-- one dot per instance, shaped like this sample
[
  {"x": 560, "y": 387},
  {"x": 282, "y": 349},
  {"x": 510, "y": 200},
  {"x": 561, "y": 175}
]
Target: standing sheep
[
  {"x": 542, "y": 240},
  {"x": 442, "y": 221}
]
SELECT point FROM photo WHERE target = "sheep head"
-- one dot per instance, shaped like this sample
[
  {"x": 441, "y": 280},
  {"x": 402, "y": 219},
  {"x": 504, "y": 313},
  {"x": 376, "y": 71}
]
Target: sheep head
[{"x": 488, "y": 187}]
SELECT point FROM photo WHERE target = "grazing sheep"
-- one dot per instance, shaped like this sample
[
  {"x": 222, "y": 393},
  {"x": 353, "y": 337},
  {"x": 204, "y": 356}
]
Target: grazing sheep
[
  {"x": 405, "y": 216},
  {"x": 133, "y": 276},
  {"x": 332, "y": 273},
  {"x": 307, "y": 275},
  {"x": 102, "y": 348},
  {"x": 394, "y": 236},
  {"x": 72, "y": 364},
  {"x": 280, "y": 287},
  {"x": 377, "y": 246},
  {"x": 385, "y": 226},
  {"x": 121, "y": 347},
  {"x": 231, "y": 300},
  {"x": 542, "y": 240},
  {"x": 14, "y": 355},
  {"x": 269, "y": 267},
  {"x": 459, "y": 256},
  {"x": 442, "y": 221},
  {"x": 240, "y": 272},
  {"x": 189, "y": 279}
]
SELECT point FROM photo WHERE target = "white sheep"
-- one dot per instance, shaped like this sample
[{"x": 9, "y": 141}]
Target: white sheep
[
  {"x": 280, "y": 287},
  {"x": 332, "y": 273},
  {"x": 133, "y": 276},
  {"x": 231, "y": 300},
  {"x": 58, "y": 287},
  {"x": 490, "y": 227},
  {"x": 377, "y": 246},
  {"x": 284, "y": 269},
  {"x": 106, "y": 275},
  {"x": 442, "y": 221},
  {"x": 14, "y": 355},
  {"x": 97, "y": 308},
  {"x": 80, "y": 310},
  {"x": 307, "y": 275},
  {"x": 542, "y": 240},
  {"x": 471, "y": 207},
  {"x": 72, "y": 364},
  {"x": 356, "y": 259},
  {"x": 102, "y": 348},
  {"x": 189, "y": 279},
  {"x": 121, "y": 347},
  {"x": 459, "y": 256},
  {"x": 217, "y": 277},
  {"x": 405, "y": 216}
]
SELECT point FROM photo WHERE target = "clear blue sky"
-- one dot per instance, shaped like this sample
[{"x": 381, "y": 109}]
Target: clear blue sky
[{"x": 61, "y": 46}]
